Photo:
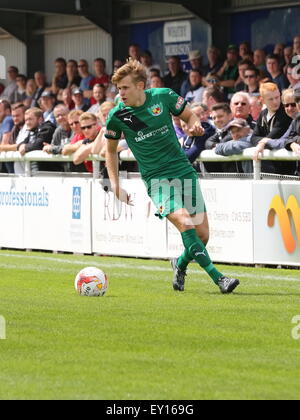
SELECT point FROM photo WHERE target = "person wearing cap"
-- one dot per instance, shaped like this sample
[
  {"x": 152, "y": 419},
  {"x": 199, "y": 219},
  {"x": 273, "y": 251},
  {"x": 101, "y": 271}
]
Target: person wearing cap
[
  {"x": 47, "y": 104},
  {"x": 241, "y": 139},
  {"x": 195, "y": 60},
  {"x": 229, "y": 72},
  {"x": 80, "y": 103}
]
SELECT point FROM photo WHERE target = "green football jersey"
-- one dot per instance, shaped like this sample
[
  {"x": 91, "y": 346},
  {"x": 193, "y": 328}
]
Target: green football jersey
[{"x": 150, "y": 134}]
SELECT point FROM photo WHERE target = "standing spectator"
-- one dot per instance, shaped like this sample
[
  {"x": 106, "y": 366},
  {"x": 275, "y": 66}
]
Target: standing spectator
[
  {"x": 229, "y": 72},
  {"x": 251, "y": 77},
  {"x": 99, "y": 96},
  {"x": 47, "y": 104},
  {"x": 6, "y": 127},
  {"x": 274, "y": 69},
  {"x": 20, "y": 93},
  {"x": 157, "y": 82},
  {"x": 195, "y": 94},
  {"x": 240, "y": 108},
  {"x": 67, "y": 100},
  {"x": 40, "y": 80},
  {"x": 60, "y": 79},
  {"x": 147, "y": 61},
  {"x": 214, "y": 61},
  {"x": 9, "y": 91},
  {"x": 79, "y": 100},
  {"x": 176, "y": 76},
  {"x": 74, "y": 79},
  {"x": 287, "y": 55},
  {"x": 86, "y": 76}
]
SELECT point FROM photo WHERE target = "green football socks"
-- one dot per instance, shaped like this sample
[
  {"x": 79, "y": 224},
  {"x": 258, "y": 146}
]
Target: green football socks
[{"x": 195, "y": 250}]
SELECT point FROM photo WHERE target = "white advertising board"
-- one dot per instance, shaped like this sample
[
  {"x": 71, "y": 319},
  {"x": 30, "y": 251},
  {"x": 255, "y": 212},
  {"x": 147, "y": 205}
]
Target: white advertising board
[
  {"x": 57, "y": 214},
  {"x": 277, "y": 222},
  {"x": 119, "y": 229},
  {"x": 229, "y": 207},
  {"x": 12, "y": 202}
]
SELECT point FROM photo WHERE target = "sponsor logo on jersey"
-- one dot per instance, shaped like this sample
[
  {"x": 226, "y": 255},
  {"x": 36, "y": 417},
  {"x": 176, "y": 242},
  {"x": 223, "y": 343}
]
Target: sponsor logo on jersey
[
  {"x": 156, "y": 110},
  {"x": 180, "y": 102},
  {"x": 111, "y": 133},
  {"x": 131, "y": 120}
]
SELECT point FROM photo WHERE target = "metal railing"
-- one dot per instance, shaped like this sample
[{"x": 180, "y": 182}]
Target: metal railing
[{"x": 127, "y": 156}]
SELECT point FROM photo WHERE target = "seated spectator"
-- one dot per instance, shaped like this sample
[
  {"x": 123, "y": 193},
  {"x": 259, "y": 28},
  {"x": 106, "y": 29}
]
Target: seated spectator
[
  {"x": 6, "y": 127},
  {"x": 292, "y": 143},
  {"x": 99, "y": 145},
  {"x": 101, "y": 77},
  {"x": 240, "y": 107},
  {"x": 39, "y": 132},
  {"x": 90, "y": 128},
  {"x": 40, "y": 80},
  {"x": 20, "y": 93},
  {"x": 275, "y": 72},
  {"x": 288, "y": 55},
  {"x": 214, "y": 61},
  {"x": 80, "y": 102},
  {"x": 251, "y": 80},
  {"x": 176, "y": 76},
  {"x": 256, "y": 106},
  {"x": 212, "y": 96},
  {"x": 9, "y": 91},
  {"x": 99, "y": 96},
  {"x": 229, "y": 72},
  {"x": 62, "y": 134},
  {"x": 73, "y": 77},
  {"x": 293, "y": 75},
  {"x": 134, "y": 52},
  {"x": 86, "y": 76},
  {"x": 272, "y": 123},
  {"x": 105, "y": 109},
  {"x": 243, "y": 66},
  {"x": 47, "y": 104},
  {"x": 245, "y": 50},
  {"x": 290, "y": 106},
  {"x": 195, "y": 60},
  {"x": 241, "y": 139},
  {"x": 195, "y": 94},
  {"x": 31, "y": 89},
  {"x": 147, "y": 61},
  {"x": 156, "y": 82},
  {"x": 60, "y": 79},
  {"x": 259, "y": 61},
  {"x": 178, "y": 127},
  {"x": 66, "y": 98},
  {"x": 296, "y": 45}
]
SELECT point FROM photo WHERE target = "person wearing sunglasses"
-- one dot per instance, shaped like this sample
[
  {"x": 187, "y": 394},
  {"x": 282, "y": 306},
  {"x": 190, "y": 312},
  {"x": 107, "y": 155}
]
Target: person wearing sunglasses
[
  {"x": 90, "y": 128},
  {"x": 251, "y": 79},
  {"x": 292, "y": 144},
  {"x": 240, "y": 108},
  {"x": 273, "y": 125}
]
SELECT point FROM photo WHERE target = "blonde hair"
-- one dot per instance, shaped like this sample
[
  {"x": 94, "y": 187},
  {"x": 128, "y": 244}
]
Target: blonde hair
[
  {"x": 88, "y": 116},
  {"x": 288, "y": 92},
  {"x": 132, "y": 68},
  {"x": 75, "y": 113},
  {"x": 267, "y": 87},
  {"x": 37, "y": 112}
]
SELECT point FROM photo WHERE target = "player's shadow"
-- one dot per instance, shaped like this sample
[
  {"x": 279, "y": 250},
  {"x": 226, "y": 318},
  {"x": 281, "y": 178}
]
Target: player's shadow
[{"x": 241, "y": 294}]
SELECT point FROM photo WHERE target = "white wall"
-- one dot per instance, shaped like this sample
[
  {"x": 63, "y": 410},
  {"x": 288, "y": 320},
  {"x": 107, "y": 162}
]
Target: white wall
[{"x": 14, "y": 52}]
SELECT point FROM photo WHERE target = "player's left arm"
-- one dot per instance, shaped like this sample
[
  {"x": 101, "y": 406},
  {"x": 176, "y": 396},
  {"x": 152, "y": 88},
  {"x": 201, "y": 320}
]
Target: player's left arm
[{"x": 194, "y": 125}]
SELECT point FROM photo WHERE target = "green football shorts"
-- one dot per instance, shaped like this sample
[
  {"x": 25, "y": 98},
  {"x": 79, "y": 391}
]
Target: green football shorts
[{"x": 170, "y": 195}]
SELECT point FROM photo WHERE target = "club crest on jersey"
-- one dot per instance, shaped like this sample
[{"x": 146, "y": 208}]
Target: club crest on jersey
[{"x": 156, "y": 110}]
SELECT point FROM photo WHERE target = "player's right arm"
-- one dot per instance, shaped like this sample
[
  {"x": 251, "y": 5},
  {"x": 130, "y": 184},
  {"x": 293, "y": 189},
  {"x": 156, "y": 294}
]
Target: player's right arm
[{"x": 112, "y": 163}]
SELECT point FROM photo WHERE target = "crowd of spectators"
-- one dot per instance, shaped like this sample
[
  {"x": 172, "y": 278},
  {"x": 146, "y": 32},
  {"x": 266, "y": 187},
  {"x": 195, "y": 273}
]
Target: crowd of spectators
[{"x": 246, "y": 99}]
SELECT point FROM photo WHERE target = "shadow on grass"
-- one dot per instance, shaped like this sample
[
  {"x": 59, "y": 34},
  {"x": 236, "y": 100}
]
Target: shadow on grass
[{"x": 237, "y": 294}]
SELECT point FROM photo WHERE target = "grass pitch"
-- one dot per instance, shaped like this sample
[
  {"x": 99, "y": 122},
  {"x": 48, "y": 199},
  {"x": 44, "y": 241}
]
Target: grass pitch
[{"x": 143, "y": 340}]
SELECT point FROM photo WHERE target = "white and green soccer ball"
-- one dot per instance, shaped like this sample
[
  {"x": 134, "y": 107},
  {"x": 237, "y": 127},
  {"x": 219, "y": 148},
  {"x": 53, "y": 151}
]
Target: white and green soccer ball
[{"x": 91, "y": 282}]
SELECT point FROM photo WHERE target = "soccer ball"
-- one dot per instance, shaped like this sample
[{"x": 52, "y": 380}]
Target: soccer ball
[{"x": 91, "y": 282}]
